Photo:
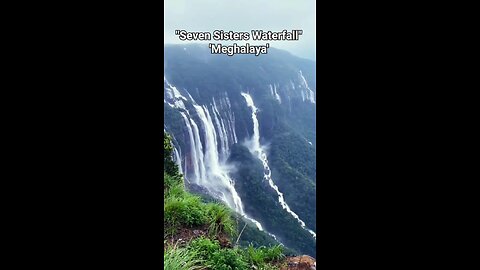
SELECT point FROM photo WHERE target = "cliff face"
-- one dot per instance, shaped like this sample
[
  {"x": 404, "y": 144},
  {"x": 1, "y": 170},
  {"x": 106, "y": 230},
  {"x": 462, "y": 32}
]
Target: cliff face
[{"x": 243, "y": 130}]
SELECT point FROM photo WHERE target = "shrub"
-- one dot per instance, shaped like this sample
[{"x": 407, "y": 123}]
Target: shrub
[
  {"x": 170, "y": 167},
  {"x": 176, "y": 190},
  {"x": 170, "y": 181},
  {"x": 274, "y": 253},
  {"x": 204, "y": 247},
  {"x": 219, "y": 218},
  {"x": 255, "y": 256},
  {"x": 263, "y": 255},
  {"x": 185, "y": 210},
  {"x": 228, "y": 259}
]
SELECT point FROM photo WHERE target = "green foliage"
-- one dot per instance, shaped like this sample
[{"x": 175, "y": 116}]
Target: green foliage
[
  {"x": 265, "y": 207},
  {"x": 263, "y": 255},
  {"x": 274, "y": 253},
  {"x": 252, "y": 235},
  {"x": 297, "y": 153},
  {"x": 204, "y": 247},
  {"x": 269, "y": 267},
  {"x": 228, "y": 259},
  {"x": 170, "y": 181},
  {"x": 186, "y": 210},
  {"x": 170, "y": 167},
  {"x": 219, "y": 219},
  {"x": 294, "y": 169},
  {"x": 181, "y": 259},
  {"x": 167, "y": 144},
  {"x": 217, "y": 258},
  {"x": 177, "y": 190},
  {"x": 255, "y": 256}
]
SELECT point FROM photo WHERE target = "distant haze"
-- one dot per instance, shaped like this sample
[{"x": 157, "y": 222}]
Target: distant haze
[{"x": 237, "y": 15}]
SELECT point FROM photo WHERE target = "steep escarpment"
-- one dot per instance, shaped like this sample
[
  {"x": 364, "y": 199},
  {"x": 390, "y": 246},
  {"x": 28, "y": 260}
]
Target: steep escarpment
[{"x": 243, "y": 133}]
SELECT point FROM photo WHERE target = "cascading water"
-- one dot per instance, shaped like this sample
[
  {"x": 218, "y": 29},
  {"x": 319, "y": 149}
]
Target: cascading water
[
  {"x": 202, "y": 176},
  {"x": 175, "y": 99},
  {"x": 206, "y": 168},
  {"x": 178, "y": 160},
  {"x": 226, "y": 105},
  {"x": 218, "y": 178},
  {"x": 256, "y": 149},
  {"x": 221, "y": 130},
  {"x": 309, "y": 94},
  {"x": 274, "y": 93},
  {"x": 194, "y": 150}
]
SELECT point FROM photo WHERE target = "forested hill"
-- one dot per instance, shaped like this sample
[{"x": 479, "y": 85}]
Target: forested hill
[{"x": 243, "y": 131}]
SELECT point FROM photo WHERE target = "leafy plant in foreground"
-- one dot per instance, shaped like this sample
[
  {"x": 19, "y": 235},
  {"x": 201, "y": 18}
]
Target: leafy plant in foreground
[
  {"x": 219, "y": 219},
  {"x": 170, "y": 167},
  {"x": 228, "y": 259},
  {"x": 263, "y": 255},
  {"x": 175, "y": 258},
  {"x": 204, "y": 247},
  {"x": 186, "y": 210}
]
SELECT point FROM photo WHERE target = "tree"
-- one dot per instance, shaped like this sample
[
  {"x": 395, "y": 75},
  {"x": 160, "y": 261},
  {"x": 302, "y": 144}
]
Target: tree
[{"x": 171, "y": 167}]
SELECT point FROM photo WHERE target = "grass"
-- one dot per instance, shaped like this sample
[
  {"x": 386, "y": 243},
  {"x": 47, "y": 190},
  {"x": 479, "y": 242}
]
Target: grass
[
  {"x": 184, "y": 209},
  {"x": 187, "y": 210},
  {"x": 220, "y": 220},
  {"x": 204, "y": 247},
  {"x": 228, "y": 259},
  {"x": 175, "y": 258},
  {"x": 215, "y": 257},
  {"x": 260, "y": 257}
]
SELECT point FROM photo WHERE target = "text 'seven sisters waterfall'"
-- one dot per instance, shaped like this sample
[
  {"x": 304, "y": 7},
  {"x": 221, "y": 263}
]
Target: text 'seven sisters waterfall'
[{"x": 256, "y": 149}]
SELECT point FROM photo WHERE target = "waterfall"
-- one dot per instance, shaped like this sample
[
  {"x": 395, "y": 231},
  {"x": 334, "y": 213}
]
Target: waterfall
[
  {"x": 218, "y": 178},
  {"x": 207, "y": 166},
  {"x": 221, "y": 131},
  {"x": 309, "y": 94},
  {"x": 256, "y": 149},
  {"x": 199, "y": 154},
  {"x": 193, "y": 147},
  {"x": 274, "y": 93},
  {"x": 178, "y": 160},
  {"x": 171, "y": 94},
  {"x": 231, "y": 119},
  {"x": 277, "y": 96},
  {"x": 255, "y": 143}
]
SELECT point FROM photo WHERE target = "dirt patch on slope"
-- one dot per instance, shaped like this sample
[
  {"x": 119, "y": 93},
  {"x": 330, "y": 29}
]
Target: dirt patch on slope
[{"x": 185, "y": 235}]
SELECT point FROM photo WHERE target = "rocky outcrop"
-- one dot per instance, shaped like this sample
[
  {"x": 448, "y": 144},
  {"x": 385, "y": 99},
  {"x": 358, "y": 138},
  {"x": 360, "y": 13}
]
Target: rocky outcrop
[{"x": 303, "y": 262}]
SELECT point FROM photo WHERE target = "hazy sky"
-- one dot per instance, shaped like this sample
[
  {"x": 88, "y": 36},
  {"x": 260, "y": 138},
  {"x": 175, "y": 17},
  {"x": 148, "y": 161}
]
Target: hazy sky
[{"x": 244, "y": 15}]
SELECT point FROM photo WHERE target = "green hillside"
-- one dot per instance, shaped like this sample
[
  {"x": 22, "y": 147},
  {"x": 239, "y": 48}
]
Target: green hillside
[{"x": 207, "y": 235}]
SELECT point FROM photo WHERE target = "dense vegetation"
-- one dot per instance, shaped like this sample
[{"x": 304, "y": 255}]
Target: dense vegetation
[
  {"x": 266, "y": 208},
  {"x": 294, "y": 170},
  {"x": 183, "y": 210}
]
